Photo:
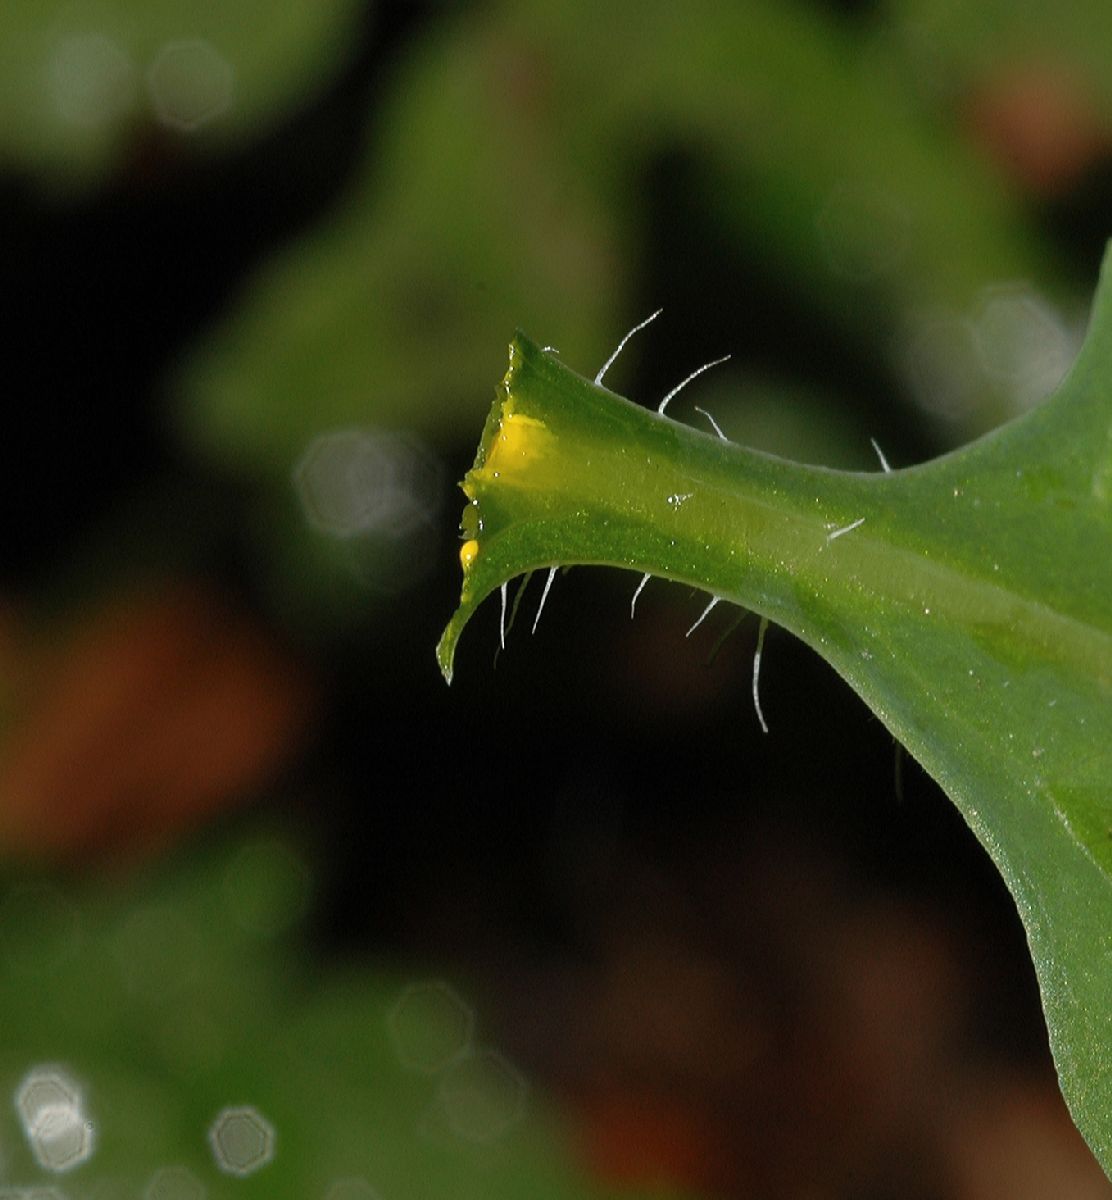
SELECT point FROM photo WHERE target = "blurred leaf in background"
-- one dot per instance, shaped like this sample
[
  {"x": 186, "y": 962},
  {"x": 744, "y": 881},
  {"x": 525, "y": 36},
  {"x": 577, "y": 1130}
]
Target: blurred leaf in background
[
  {"x": 170, "y": 695},
  {"x": 81, "y": 80},
  {"x": 174, "y": 1018},
  {"x": 506, "y": 190}
]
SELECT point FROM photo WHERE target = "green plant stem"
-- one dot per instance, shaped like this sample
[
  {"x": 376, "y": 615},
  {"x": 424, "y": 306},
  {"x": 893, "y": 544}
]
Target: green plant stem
[{"x": 968, "y": 601}]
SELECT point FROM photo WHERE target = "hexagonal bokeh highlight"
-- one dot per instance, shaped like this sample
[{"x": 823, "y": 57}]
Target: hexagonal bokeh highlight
[
  {"x": 44, "y": 1087},
  {"x": 1024, "y": 341},
  {"x": 430, "y": 1026},
  {"x": 359, "y": 481},
  {"x": 174, "y": 1183},
  {"x": 937, "y": 359},
  {"x": 483, "y": 1096},
  {"x": 51, "y": 1111},
  {"x": 61, "y": 1137},
  {"x": 92, "y": 80},
  {"x": 190, "y": 84},
  {"x": 242, "y": 1140}
]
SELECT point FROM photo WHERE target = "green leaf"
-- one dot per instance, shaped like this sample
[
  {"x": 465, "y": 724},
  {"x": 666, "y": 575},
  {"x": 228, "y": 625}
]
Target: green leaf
[{"x": 968, "y": 601}]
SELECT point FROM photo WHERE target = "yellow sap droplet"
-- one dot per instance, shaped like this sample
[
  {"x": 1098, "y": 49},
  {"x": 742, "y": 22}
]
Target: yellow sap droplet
[
  {"x": 519, "y": 439},
  {"x": 468, "y": 552}
]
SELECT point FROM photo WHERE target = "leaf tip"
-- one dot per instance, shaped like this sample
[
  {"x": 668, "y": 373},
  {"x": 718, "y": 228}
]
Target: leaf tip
[
  {"x": 446, "y": 652},
  {"x": 495, "y": 444}
]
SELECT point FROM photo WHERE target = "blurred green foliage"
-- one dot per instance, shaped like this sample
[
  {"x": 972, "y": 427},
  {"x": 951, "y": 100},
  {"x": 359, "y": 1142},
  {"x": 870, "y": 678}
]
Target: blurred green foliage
[
  {"x": 953, "y": 44},
  {"x": 80, "y": 80},
  {"x": 184, "y": 993}
]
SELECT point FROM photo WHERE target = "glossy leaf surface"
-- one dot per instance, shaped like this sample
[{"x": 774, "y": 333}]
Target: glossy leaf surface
[{"x": 967, "y": 600}]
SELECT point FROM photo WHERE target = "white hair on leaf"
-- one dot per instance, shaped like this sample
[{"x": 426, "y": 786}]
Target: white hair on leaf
[
  {"x": 684, "y": 382},
  {"x": 703, "y": 615},
  {"x": 761, "y": 630},
  {"x": 714, "y": 424},
  {"x": 621, "y": 345},
  {"x": 544, "y": 596}
]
